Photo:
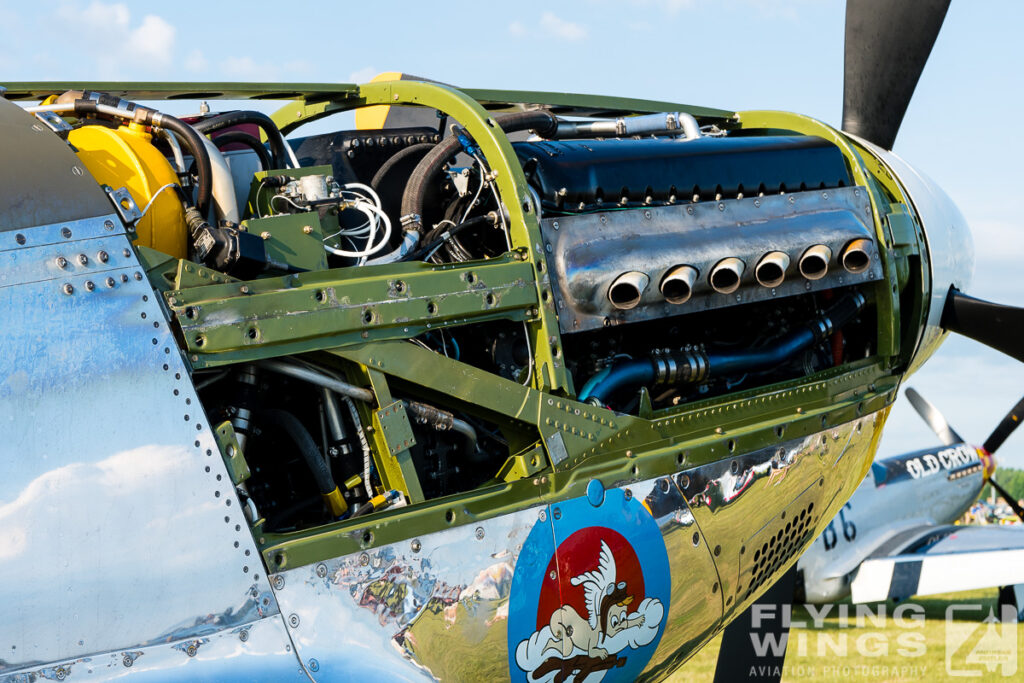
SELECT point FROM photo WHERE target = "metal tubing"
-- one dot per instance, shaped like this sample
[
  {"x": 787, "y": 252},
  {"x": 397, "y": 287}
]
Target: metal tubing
[
  {"x": 677, "y": 285},
  {"x": 626, "y": 290},
  {"x": 814, "y": 262},
  {"x": 855, "y": 257},
  {"x": 771, "y": 269},
  {"x": 318, "y": 378},
  {"x": 725, "y": 276}
]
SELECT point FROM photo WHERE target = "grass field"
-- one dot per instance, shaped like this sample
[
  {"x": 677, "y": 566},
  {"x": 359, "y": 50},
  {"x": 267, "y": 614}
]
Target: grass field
[{"x": 913, "y": 648}]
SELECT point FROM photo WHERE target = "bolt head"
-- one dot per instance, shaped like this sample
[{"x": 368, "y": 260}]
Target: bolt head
[
  {"x": 103, "y": 256},
  {"x": 308, "y": 229},
  {"x": 83, "y": 259},
  {"x": 62, "y": 262},
  {"x": 265, "y": 235}
]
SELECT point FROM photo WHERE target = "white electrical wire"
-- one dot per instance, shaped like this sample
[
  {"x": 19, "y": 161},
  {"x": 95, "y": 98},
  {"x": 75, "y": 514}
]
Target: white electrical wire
[
  {"x": 153, "y": 198},
  {"x": 292, "y": 159},
  {"x": 372, "y": 213},
  {"x": 365, "y": 188}
]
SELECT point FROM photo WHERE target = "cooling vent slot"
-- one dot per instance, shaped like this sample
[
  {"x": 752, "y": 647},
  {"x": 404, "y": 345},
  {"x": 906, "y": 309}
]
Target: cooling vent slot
[{"x": 775, "y": 550}]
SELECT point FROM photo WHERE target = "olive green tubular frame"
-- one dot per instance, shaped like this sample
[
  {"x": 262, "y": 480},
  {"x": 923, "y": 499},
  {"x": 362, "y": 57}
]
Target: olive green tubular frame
[{"x": 357, "y": 320}]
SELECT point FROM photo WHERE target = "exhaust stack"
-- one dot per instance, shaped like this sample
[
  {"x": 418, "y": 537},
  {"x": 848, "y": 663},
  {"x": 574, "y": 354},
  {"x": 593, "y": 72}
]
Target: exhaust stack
[
  {"x": 677, "y": 285},
  {"x": 856, "y": 258},
  {"x": 814, "y": 262},
  {"x": 771, "y": 269},
  {"x": 627, "y": 289},
  {"x": 725, "y": 276}
]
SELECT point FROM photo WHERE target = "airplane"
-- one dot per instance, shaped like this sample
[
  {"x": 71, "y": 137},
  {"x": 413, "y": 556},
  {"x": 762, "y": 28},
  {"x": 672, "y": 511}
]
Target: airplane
[
  {"x": 896, "y": 536},
  {"x": 406, "y": 402}
]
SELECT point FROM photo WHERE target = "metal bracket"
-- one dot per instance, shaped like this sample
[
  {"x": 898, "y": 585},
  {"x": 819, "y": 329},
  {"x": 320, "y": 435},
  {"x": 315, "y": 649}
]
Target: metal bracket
[
  {"x": 124, "y": 204},
  {"x": 238, "y": 468},
  {"x": 395, "y": 427},
  {"x": 53, "y": 122}
]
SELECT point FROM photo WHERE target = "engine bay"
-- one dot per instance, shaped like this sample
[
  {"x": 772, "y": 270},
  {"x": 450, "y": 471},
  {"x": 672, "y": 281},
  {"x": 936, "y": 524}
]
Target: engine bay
[{"x": 678, "y": 261}]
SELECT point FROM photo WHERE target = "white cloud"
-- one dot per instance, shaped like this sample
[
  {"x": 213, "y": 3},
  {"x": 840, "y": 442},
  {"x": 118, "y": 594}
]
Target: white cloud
[
  {"x": 561, "y": 28},
  {"x": 362, "y": 75},
  {"x": 107, "y": 38},
  {"x": 550, "y": 25},
  {"x": 196, "y": 61},
  {"x": 153, "y": 39}
]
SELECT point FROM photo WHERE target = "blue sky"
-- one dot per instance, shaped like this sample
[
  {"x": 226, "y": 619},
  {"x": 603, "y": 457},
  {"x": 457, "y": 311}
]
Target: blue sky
[{"x": 961, "y": 128}]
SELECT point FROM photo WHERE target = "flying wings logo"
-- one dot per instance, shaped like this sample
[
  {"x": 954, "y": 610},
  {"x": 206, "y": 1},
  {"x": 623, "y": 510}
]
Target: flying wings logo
[{"x": 594, "y": 608}]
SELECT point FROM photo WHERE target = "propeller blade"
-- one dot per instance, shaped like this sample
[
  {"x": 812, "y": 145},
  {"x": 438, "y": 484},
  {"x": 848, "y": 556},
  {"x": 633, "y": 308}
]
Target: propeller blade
[
  {"x": 1005, "y": 428},
  {"x": 887, "y": 45},
  {"x": 1010, "y": 500},
  {"x": 933, "y": 417},
  {"x": 996, "y": 325}
]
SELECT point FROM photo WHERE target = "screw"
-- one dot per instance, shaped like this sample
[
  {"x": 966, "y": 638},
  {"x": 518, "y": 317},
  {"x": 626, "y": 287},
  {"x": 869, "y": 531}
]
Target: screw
[
  {"x": 321, "y": 570},
  {"x": 553, "y": 575},
  {"x": 556, "y": 513},
  {"x": 127, "y": 661},
  {"x": 647, "y": 215},
  {"x": 62, "y": 262},
  {"x": 65, "y": 232},
  {"x": 314, "y": 665},
  {"x": 103, "y": 256},
  {"x": 244, "y": 289},
  {"x": 543, "y": 516},
  {"x": 265, "y": 234},
  {"x": 628, "y": 494},
  {"x": 243, "y": 635},
  {"x": 138, "y": 276},
  {"x": 294, "y": 620},
  {"x": 278, "y": 582},
  {"x": 110, "y": 282},
  {"x": 308, "y": 229},
  {"x": 364, "y": 559},
  {"x": 83, "y": 259},
  {"x": 89, "y": 286},
  {"x": 416, "y": 545},
  {"x": 479, "y": 533},
  {"x": 109, "y": 225}
]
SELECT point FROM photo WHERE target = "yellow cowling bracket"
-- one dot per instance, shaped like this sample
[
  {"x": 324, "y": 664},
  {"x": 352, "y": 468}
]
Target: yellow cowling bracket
[{"x": 335, "y": 502}]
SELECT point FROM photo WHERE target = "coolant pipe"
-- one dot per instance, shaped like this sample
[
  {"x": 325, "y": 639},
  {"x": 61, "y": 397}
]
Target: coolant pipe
[
  {"x": 771, "y": 269},
  {"x": 677, "y": 285},
  {"x": 668, "y": 123},
  {"x": 626, "y": 290},
  {"x": 814, "y": 262},
  {"x": 318, "y": 378},
  {"x": 224, "y": 202},
  {"x": 855, "y": 257},
  {"x": 690, "y": 367}
]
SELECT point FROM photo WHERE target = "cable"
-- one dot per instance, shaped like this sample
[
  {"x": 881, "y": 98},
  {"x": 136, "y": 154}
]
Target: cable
[{"x": 278, "y": 146}]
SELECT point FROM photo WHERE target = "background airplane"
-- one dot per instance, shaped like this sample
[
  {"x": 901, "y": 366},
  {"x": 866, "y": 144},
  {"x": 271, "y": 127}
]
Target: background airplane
[{"x": 895, "y": 537}]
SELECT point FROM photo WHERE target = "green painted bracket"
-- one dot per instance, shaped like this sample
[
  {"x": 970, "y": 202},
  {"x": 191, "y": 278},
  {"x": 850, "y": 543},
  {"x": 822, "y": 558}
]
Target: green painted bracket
[
  {"x": 393, "y": 424},
  {"x": 311, "y": 311},
  {"x": 549, "y": 371},
  {"x": 238, "y": 468},
  {"x": 292, "y": 238},
  {"x": 523, "y": 465}
]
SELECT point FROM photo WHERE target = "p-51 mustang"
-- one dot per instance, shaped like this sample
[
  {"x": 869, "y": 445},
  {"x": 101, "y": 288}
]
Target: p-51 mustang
[
  {"x": 393, "y": 402},
  {"x": 895, "y": 537}
]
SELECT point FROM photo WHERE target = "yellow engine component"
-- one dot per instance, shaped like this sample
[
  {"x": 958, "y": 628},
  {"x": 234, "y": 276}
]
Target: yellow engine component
[{"x": 125, "y": 157}]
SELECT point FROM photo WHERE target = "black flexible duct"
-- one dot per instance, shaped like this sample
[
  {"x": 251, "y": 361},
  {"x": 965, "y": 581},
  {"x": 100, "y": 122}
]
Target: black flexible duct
[
  {"x": 543, "y": 122},
  {"x": 235, "y": 118},
  {"x": 243, "y": 138},
  {"x": 477, "y": 221},
  {"x": 307, "y": 447}
]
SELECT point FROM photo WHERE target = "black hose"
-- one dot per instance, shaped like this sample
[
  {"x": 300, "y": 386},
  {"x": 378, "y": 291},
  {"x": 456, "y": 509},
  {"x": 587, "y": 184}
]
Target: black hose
[
  {"x": 194, "y": 143},
  {"x": 543, "y": 122},
  {"x": 250, "y": 141},
  {"x": 235, "y": 118},
  {"x": 307, "y": 447},
  {"x": 487, "y": 219}
]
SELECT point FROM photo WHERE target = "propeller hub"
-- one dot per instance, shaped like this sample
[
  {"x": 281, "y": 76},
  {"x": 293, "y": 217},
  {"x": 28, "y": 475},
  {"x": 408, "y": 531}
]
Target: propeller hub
[{"x": 988, "y": 462}]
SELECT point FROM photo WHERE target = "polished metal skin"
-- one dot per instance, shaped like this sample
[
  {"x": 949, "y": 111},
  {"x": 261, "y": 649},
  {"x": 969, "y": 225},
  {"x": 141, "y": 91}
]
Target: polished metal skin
[
  {"x": 947, "y": 237},
  {"x": 440, "y": 605},
  {"x": 120, "y": 531},
  {"x": 590, "y": 254}
]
